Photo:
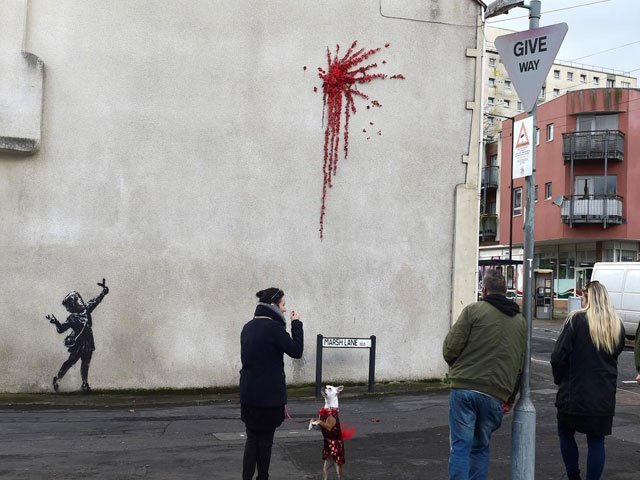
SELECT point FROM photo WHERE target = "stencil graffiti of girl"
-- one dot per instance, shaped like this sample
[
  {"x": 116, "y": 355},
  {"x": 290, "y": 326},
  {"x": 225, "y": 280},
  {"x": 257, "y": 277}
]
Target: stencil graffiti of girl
[{"x": 79, "y": 343}]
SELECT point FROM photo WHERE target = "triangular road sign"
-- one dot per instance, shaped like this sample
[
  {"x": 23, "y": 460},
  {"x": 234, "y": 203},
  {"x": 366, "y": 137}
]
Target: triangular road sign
[
  {"x": 528, "y": 56},
  {"x": 523, "y": 138}
]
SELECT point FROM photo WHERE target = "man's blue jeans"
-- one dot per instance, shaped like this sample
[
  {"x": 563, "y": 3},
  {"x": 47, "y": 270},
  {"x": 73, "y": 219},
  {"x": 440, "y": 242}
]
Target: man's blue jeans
[{"x": 473, "y": 417}]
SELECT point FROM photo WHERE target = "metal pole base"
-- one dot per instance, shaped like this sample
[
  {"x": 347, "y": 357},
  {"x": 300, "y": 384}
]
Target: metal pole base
[{"x": 523, "y": 432}]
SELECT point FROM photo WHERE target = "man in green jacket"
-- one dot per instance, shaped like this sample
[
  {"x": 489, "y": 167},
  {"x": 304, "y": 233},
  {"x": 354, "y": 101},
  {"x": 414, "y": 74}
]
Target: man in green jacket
[{"x": 485, "y": 350}]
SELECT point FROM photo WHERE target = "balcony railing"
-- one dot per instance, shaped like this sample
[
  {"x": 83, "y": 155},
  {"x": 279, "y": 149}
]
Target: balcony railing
[
  {"x": 593, "y": 145},
  {"x": 582, "y": 209},
  {"x": 488, "y": 227},
  {"x": 490, "y": 176}
]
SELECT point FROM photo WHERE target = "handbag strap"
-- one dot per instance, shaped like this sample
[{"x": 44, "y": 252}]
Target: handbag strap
[{"x": 84, "y": 325}]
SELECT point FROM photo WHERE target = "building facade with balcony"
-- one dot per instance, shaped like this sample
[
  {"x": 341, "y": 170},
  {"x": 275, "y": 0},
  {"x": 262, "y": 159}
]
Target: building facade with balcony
[{"x": 587, "y": 185}]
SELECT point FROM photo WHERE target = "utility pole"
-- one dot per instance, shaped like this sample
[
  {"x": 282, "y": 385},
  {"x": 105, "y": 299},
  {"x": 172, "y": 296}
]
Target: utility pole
[
  {"x": 524, "y": 421},
  {"x": 523, "y": 431}
]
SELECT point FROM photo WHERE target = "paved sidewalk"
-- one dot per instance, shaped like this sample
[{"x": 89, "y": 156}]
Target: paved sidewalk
[
  {"x": 402, "y": 432},
  {"x": 398, "y": 436}
]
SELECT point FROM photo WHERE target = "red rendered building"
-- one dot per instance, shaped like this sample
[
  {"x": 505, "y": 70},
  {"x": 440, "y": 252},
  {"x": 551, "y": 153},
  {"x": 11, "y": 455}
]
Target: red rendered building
[{"x": 587, "y": 181}]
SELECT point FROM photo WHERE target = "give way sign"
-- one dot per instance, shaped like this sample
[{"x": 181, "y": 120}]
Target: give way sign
[{"x": 528, "y": 56}]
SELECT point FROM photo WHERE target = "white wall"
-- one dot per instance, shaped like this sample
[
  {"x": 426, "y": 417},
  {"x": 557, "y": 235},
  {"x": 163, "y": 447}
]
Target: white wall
[{"x": 181, "y": 159}]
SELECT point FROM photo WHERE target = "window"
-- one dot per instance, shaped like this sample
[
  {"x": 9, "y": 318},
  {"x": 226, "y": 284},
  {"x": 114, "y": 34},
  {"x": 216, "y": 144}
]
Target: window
[
  {"x": 535, "y": 194},
  {"x": 507, "y": 103},
  {"x": 583, "y": 78},
  {"x": 596, "y": 185},
  {"x": 492, "y": 82},
  {"x": 537, "y": 136},
  {"x": 520, "y": 108},
  {"x": 596, "y": 81},
  {"x": 590, "y": 123},
  {"x": 490, "y": 102},
  {"x": 556, "y": 74},
  {"x": 492, "y": 62},
  {"x": 507, "y": 84},
  {"x": 611, "y": 83},
  {"x": 517, "y": 201},
  {"x": 548, "y": 260},
  {"x": 621, "y": 252},
  {"x": 543, "y": 92},
  {"x": 548, "y": 192},
  {"x": 493, "y": 160},
  {"x": 570, "y": 76},
  {"x": 556, "y": 92},
  {"x": 627, "y": 255},
  {"x": 549, "y": 132},
  {"x": 566, "y": 264},
  {"x": 626, "y": 84}
]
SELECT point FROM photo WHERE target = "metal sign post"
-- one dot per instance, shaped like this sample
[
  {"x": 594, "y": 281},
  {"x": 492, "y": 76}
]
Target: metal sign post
[
  {"x": 527, "y": 56},
  {"x": 346, "y": 342}
]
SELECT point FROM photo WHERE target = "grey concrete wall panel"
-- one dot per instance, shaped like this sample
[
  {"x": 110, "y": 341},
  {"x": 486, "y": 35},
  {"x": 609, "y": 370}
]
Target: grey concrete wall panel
[
  {"x": 21, "y": 83},
  {"x": 182, "y": 161}
]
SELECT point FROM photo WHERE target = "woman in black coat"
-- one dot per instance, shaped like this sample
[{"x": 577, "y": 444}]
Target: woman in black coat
[
  {"x": 585, "y": 368},
  {"x": 263, "y": 391}
]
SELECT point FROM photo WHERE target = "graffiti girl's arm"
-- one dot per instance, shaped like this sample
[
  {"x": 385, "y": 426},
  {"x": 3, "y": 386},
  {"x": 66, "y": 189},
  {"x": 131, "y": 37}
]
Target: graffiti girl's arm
[
  {"x": 93, "y": 303},
  {"x": 53, "y": 320}
]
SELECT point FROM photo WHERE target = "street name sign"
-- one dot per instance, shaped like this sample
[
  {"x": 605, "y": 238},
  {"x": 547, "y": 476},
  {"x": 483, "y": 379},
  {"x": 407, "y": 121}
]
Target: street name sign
[
  {"x": 528, "y": 56},
  {"x": 524, "y": 137},
  {"x": 345, "y": 342}
]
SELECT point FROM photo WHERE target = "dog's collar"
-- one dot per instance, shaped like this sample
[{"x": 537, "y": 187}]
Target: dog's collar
[{"x": 328, "y": 411}]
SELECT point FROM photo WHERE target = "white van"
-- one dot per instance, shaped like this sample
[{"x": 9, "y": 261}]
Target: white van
[{"x": 622, "y": 280}]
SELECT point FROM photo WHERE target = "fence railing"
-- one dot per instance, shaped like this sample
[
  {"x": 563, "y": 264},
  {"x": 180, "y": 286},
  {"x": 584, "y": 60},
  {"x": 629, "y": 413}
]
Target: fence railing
[
  {"x": 593, "y": 145},
  {"x": 605, "y": 209}
]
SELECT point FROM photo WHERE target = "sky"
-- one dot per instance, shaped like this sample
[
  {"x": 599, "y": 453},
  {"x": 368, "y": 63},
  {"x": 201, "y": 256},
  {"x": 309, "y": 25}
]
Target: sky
[{"x": 594, "y": 26}]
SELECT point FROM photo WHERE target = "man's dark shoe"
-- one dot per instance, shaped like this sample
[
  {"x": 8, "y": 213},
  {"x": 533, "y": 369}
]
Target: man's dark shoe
[
  {"x": 86, "y": 388},
  {"x": 55, "y": 384}
]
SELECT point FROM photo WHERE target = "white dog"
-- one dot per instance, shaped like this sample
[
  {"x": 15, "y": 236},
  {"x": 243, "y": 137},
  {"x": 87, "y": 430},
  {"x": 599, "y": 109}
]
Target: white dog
[{"x": 329, "y": 421}]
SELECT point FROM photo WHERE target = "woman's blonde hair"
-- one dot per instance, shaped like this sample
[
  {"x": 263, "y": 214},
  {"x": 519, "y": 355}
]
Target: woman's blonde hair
[{"x": 604, "y": 323}]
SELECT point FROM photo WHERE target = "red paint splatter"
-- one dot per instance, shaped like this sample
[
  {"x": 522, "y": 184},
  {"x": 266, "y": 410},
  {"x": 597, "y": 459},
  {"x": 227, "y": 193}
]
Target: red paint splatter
[{"x": 340, "y": 85}]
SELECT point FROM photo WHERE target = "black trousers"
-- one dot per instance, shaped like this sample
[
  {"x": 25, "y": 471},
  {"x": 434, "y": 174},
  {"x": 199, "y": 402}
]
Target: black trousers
[
  {"x": 71, "y": 361},
  {"x": 261, "y": 423},
  {"x": 257, "y": 452}
]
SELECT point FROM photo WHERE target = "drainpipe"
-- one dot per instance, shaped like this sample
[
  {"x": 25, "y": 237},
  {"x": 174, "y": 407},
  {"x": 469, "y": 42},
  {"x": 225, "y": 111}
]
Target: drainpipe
[
  {"x": 606, "y": 165},
  {"x": 572, "y": 150}
]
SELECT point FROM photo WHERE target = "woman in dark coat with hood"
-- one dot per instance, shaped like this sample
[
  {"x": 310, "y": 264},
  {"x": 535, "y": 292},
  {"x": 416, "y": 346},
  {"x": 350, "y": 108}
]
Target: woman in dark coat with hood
[
  {"x": 263, "y": 392},
  {"x": 585, "y": 368}
]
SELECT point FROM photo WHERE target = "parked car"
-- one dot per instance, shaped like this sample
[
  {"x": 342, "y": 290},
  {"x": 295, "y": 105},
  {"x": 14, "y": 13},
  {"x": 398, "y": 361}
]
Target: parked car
[{"x": 622, "y": 280}]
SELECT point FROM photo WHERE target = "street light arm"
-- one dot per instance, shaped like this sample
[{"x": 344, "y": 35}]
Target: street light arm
[{"x": 500, "y": 7}]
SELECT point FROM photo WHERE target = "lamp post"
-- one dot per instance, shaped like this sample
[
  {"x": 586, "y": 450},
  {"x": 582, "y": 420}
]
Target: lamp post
[{"x": 524, "y": 420}]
